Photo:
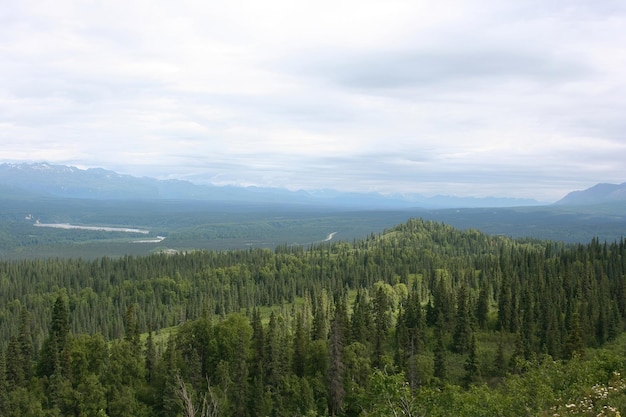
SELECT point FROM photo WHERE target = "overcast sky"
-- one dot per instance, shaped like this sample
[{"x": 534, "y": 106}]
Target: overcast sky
[{"x": 467, "y": 98}]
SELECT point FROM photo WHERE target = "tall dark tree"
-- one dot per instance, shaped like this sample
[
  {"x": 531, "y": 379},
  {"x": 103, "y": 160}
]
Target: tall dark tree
[
  {"x": 575, "y": 343},
  {"x": 440, "y": 367},
  {"x": 300, "y": 346},
  {"x": 410, "y": 336},
  {"x": 257, "y": 398},
  {"x": 52, "y": 355},
  {"x": 482, "y": 307},
  {"x": 336, "y": 368},
  {"x": 505, "y": 305},
  {"x": 26, "y": 343},
  {"x": 131, "y": 328},
  {"x": 361, "y": 319},
  {"x": 443, "y": 303},
  {"x": 4, "y": 388},
  {"x": 240, "y": 391},
  {"x": 471, "y": 364},
  {"x": 14, "y": 365},
  {"x": 463, "y": 330},
  {"x": 150, "y": 356},
  {"x": 381, "y": 326},
  {"x": 274, "y": 365},
  {"x": 500, "y": 363},
  {"x": 320, "y": 318},
  {"x": 60, "y": 326}
]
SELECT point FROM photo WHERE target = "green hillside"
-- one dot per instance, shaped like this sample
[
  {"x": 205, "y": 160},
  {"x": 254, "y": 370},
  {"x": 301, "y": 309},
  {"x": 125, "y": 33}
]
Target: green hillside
[{"x": 422, "y": 319}]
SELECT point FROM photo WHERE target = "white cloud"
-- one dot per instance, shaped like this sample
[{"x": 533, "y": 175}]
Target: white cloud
[{"x": 469, "y": 97}]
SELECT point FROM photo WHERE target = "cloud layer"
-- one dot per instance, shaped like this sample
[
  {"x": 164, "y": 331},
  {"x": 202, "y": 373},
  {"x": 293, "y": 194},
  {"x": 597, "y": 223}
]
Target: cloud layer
[{"x": 471, "y": 98}]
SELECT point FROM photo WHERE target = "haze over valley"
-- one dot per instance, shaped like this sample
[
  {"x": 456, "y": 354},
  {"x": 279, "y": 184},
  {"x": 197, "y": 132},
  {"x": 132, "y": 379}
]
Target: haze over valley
[{"x": 57, "y": 210}]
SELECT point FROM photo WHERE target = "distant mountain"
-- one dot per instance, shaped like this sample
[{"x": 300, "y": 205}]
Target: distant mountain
[
  {"x": 44, "y": 179},
  {"x": 598, "y": 194}
]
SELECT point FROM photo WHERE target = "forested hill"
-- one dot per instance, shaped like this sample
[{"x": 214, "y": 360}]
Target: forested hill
[{"x": 422, "y": 319}]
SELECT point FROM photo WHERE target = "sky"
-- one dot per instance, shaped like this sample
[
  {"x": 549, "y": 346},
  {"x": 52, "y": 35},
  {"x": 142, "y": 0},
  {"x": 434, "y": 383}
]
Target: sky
[{"x": 477, "y": 98}]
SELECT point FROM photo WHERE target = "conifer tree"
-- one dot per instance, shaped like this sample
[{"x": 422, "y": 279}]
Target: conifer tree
[
  {"x": 60, "y": 326},
  {"x": 14, "y": 365},
  {"x": 463, "y": 329},
  {"x": 150, "y": 356},
  {"x": 471, "y": 364},
  {"x": 482, "y": 308},
  {"x": 131, "y": 327},
  {"x": 257, "y": 371},
  {"x": 361, "y": 320},
  {"x": 440, "y": 368},
  {"x": 500, "y": 363},
  {"x": 26, "y": 343},
  {"x": 51, "y": 357},
  {"x": 273, "y": 365},
  {"x": 300, "y": 347},
  {"x": 4, "y": 389},
  {"x": 575, "y": 345},
  {"x": 168, "y": 380},
  {"x": 336, "y": 367},
  {"x": 320, "y": 318},
  {"x": 443, "y": 301},
  {"x": 410, "y": 330},
  {"x": 239, "y": 394},
  {"x": 519, "y": 353},
  {"x": 381, "y": 326},
  {"x": 505, "y": 305}
]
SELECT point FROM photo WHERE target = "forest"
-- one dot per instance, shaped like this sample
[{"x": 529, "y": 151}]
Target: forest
[
  {"x": 190, "y": 224},
  {"x": 420, "y": 320}
]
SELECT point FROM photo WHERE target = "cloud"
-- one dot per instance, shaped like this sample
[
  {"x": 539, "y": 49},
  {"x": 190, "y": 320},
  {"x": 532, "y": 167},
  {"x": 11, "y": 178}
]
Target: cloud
[
  {"x": 523, "y": 99},
  {"x": 430, "y": 69}
]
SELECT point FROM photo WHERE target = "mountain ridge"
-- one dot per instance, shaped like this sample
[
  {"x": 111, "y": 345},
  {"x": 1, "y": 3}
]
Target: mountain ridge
[
  {"x": 45, "y": 179},
  {"x": 597, "y": 194}
]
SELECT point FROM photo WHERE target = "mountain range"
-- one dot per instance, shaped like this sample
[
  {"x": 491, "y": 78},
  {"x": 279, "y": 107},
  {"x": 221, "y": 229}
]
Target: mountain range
[
  {"x": 49, "y": 180},
  {"x": 598, "y": 194}
]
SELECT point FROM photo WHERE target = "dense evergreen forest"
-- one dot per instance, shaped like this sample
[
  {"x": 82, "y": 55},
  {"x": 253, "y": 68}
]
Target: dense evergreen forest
[{"x": 421, "y": 320}]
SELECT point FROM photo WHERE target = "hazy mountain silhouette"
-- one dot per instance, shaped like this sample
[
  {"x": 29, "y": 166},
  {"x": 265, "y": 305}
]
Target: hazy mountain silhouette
[
  {"x": 44, "y": 179},
  {"x": 598, "y": 194}
]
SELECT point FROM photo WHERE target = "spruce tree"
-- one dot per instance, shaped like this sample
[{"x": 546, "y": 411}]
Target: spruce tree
[
  {"x": 60, "y": 325},
  {"x": 4, "y": 388},
  {"x": 482, "y": 308},
  {"x": 240, "y": 391},
  {"x": 26, "y": 343},
  {"x": 361, "y": 320},
  {"x": 463, "y": 329},
  {"x": 440, "y": 368},
  {"x": 131, "y": 327},
  {"x": 575, "y": 345},
  {"x": 150, "y": 356},
  {"x": 381, "y": 326},
  {"x": 14, "y": 365},
  {"x": 52, "y": 352},
  {"x": 500, "y": 364},
  {"x": 300, "y": 346},
  {"x": 336, "y": 369},
  {"x": 505, "y": 305},
  {"x": 471, "y": 364}
]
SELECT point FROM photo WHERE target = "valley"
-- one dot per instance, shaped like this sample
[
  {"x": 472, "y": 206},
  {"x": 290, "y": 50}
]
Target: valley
[
  {"x": 94, "y": 228},
  {"x": 95, "y": 212}
]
